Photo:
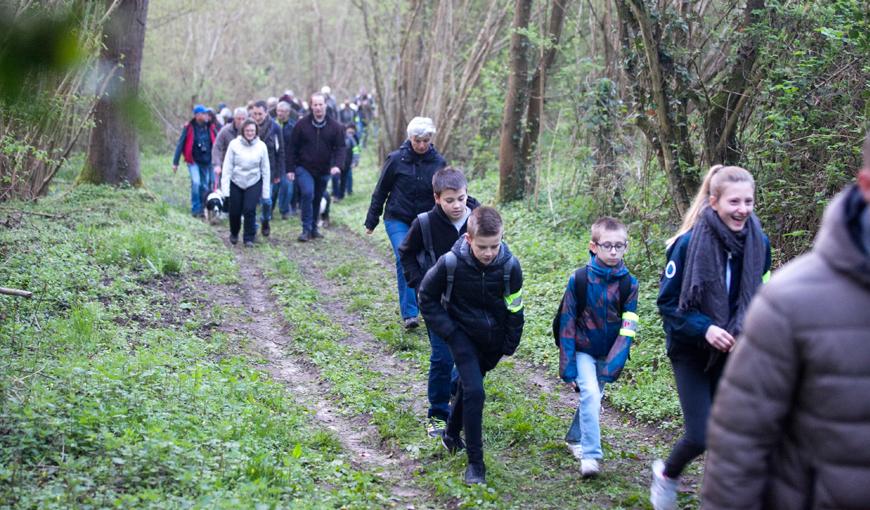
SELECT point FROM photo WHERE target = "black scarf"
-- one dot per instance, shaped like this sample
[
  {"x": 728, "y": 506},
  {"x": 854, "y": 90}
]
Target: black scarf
[{"x": 704, "y": 286}]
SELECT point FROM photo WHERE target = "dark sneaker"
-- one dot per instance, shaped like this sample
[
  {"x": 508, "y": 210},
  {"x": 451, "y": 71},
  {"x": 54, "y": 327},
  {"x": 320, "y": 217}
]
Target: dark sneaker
[
  {"x": 435, "y": 426},
  {"x": 234, "y": 239},
  {"x": 412, "y": 323},
  {"x": 452, "y": 444},
  {"x": 249, "y": 244},
  {"x": 265, "y": 230},
  {"x": 304, "y": 237},
  {"x": 285, "y": 215},
  {"x": 475, "y": 474},
  {"x": 315, "y": 234}
]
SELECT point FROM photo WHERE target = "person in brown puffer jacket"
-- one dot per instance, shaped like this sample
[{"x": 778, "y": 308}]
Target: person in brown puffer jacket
[{"x": 790, "y": 427}]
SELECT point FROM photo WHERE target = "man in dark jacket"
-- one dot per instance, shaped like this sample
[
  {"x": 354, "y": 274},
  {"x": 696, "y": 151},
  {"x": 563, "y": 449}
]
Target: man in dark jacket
[
  {"x": 480, "y": 316},
  {"x": 270, "y": 133},
  {"x": 790, "y": 426},
  {"x": 316, "y": 152},
  {"x": 288, "y": 122},
  {"x": 195, "y": 143}
]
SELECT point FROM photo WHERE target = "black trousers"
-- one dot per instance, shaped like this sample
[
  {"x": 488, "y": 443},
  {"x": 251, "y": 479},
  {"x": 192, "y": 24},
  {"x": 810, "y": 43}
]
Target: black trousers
[
  {"x": 696, "y": 389},
  {"x": 467, "y": 410},
  {"x": 243, "y": 202}
]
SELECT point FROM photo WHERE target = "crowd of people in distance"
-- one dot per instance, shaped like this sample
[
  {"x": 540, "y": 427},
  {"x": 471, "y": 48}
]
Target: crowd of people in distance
[{"x": 278, "y": 152}]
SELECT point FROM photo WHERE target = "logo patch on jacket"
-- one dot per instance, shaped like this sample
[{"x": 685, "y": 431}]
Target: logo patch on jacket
[{"x": 670, "y": 269}]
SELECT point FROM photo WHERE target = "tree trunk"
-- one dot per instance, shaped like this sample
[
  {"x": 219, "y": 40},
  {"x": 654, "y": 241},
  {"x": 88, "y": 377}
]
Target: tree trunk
[
  {"x": 511, "y": 182},
  {"x": 720, "y": 136},
  {"x": 113, "y": 149},
  {"x": 537, "y": 90}
]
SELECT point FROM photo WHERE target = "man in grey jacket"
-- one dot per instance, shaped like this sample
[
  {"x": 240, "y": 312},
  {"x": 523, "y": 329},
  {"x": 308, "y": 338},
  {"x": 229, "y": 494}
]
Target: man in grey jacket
[
  {"x": 790, "y": 427},
  {"x": 226, "y": 135}
]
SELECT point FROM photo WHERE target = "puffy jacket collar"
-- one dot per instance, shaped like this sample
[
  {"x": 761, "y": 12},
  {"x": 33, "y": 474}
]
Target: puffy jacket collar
[
  {"x": 607, "y": 273},
  {"x": 835, "y": 242},
  {"x": 247, "y": 143},
  {"x": 463, "y": 252},
  {"x": 409, "y": 155}
]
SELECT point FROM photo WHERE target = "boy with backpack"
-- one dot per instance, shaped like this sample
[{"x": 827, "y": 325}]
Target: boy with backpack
[
  {"x": 593, "y": 329},
  {"x": 472, "y": 298},
  {"x": 431, "y": 235}
]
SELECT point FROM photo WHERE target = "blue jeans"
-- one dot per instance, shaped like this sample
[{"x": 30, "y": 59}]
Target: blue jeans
[
  {"x": 585, "y": 427},
  {"x": 442, "y": 377},
  {"x": 201, "y": 181},
  {"x": 396, "y": 231},
  {"x": 311, "y": 188},
  {"x": 285, "y": 195}
]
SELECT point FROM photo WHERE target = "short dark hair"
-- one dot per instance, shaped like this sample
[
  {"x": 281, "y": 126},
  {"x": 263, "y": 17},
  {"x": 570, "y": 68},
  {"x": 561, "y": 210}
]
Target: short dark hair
[
  {"x": 448, "y": 178},
  {"x": 606, "y": 223},
  {"x": 262, "y": 104},
  {"x": 484, "y": 221},
  {"x": 867, "y": 151}
]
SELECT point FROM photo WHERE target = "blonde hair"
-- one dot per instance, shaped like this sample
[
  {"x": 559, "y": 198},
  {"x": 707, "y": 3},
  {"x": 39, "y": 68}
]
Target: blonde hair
[
  {"x": 713, "y": 185},
  {"x": 606, "y": 223}
]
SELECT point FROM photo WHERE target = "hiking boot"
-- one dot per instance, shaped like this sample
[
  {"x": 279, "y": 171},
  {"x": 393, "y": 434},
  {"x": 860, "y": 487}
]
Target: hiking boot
[
  {"x": 234, "y": 238},
  {"x": 315, "y": 234},
  {"x": 663, "y": 490},
  {"x": 589, "y": 468},
  {"x": 453, "y": 444},
  {"x": 304, "y": 237},
  {"x": 412, "y": 323},
  {"x": 265, "y": 230},
  {"x": 249, "y": 244},
  {"x": 435, "y": 426},
  {"x": 475, "y": 474},
  {"x": 285, "y": 215},
  {"x": 576, "y": 450}
]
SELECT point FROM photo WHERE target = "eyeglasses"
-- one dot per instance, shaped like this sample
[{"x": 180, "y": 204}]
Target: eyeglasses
[{"x": 610, "y": 246}]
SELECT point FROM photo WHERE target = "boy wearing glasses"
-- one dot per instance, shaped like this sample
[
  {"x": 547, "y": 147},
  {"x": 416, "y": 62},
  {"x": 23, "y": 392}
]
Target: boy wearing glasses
[{"x": 597, "y": 323}]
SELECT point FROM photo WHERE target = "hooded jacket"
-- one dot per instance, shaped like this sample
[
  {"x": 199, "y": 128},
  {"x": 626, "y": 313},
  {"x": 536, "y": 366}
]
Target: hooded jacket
[
  {"x": 405, "y": 185},
  {"x": 477, "y": 304},
  {"x": 444, "y": 236},
  {"x": 790, "y": 426},
  {"x": 245, "y": 164},
  {"x": 601, "y": 320}
]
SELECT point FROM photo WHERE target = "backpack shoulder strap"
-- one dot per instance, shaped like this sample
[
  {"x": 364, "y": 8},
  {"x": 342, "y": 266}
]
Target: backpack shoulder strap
[
  {"x": 450, "y": 266},
  {"x": 506, "y": 277},
  {"x": 426, "y": 229},
  {"x": 624, "y": 291},
  {"x": 581, "y": 281}
]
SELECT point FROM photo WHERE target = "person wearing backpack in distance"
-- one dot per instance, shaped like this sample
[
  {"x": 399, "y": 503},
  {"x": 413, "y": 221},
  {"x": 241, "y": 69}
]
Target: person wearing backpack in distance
[
  {"x": 717, "y": 260},
  {"x": 472, "y": 298},
  {"x": 594, "y": 328},
  {"x": 431, "y": 235}
]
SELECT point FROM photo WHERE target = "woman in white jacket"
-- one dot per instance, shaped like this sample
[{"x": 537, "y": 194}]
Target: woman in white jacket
[{"x": 245, "y": 180}]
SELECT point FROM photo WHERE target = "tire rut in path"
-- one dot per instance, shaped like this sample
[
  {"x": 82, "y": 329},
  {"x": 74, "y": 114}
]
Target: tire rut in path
[{"x": 269, "y": 335}]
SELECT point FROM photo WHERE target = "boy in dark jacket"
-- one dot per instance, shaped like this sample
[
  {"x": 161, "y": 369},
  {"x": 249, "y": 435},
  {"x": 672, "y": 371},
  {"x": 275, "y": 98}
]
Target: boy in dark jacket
[
  {"x": 422, "y": 247},
  {"x": 472, "y": 298},
  {"x": 594, "y": 341}
]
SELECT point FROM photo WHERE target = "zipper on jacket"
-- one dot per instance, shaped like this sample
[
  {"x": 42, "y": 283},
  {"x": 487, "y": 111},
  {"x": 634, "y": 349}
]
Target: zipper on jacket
[{"x": 728, "y": 276}]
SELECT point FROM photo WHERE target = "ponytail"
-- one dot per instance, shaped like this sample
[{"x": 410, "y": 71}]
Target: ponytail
[{"x": 715, "y": 180}]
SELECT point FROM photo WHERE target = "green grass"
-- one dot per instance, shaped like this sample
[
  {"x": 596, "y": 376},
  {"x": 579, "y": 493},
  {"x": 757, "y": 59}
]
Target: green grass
[{"x": 119, "y": 389}]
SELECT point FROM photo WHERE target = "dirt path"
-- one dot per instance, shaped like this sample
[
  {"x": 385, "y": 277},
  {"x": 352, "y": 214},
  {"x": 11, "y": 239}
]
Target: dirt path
[{"x": 270, "y": 334}]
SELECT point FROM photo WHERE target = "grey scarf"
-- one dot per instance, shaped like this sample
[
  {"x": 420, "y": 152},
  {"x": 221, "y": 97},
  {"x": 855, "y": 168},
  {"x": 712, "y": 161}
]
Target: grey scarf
[{"x": 704, "y": 287}]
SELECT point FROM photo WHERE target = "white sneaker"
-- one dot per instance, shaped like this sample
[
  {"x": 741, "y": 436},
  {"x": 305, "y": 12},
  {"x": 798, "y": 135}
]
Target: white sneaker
[
  {"x": 663, "y": 490},
  {"x": 589, "y": 468},
  {"x": 575, "y": 449}
]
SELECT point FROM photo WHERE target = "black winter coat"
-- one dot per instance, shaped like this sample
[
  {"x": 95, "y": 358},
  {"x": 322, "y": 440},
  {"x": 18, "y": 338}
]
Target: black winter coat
[
  {"x": 444, "y": 236},
  {"x": 270, "y": 134},
  {"x": 405, "y": 185},
  {"x": 316, "y": 149},
  {"x": 477, "y": 304}
]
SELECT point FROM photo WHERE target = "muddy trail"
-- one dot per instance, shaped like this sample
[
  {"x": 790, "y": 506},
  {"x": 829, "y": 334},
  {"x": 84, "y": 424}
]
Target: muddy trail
[
  {"x": 331, "y": 267},
  {"x": 256, "y": 318}
]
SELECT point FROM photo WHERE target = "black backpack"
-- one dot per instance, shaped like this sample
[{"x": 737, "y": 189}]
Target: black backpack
[
  {"x": 450, "y": 266},
  {"x": 581, "y": 280},
  {"x": 426, "y": 257}
]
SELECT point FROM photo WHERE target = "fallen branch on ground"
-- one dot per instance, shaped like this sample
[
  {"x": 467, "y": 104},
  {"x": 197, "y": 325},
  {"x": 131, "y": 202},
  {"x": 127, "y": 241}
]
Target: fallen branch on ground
[{"x": 16, "y": 292}]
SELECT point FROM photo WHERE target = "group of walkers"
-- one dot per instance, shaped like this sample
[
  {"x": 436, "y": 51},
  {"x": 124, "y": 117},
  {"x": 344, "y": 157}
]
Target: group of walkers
[
  {"x": 274, "y": 153},
  {"x": 789, "y": 423}
]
